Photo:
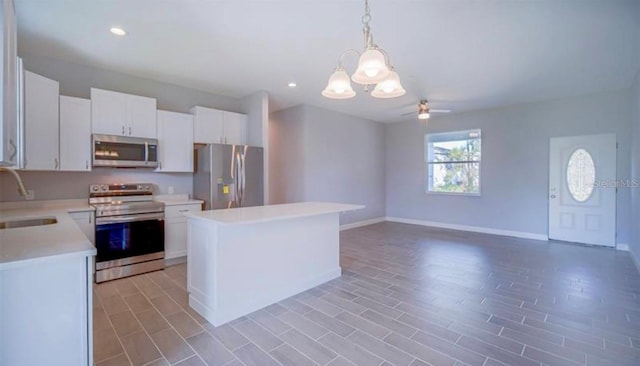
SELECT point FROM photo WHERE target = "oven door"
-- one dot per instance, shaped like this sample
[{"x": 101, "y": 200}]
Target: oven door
[{"x": 129, "y": 236}]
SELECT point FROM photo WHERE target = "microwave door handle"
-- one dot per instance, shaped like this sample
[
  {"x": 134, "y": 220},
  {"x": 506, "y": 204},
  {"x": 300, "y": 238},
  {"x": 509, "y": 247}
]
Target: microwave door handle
[{"x": 146, "y": 152}]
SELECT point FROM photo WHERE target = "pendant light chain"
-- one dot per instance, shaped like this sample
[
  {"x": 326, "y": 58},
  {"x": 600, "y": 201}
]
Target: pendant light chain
[{"x": 366, "y": 29}]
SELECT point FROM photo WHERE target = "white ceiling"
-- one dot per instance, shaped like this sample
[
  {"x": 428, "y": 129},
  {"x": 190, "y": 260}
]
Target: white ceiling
[{"x": 460, "y": 54}]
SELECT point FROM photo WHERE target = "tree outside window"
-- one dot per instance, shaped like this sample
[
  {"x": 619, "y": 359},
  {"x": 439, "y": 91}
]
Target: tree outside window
[{"x": 453, "y": 162}]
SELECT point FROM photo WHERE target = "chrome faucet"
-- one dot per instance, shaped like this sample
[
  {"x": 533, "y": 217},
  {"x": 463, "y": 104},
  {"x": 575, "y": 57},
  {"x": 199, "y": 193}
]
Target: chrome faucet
[{"x": 21, "y": 188}]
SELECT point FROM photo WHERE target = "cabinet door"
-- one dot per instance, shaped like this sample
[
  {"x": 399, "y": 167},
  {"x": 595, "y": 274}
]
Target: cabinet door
[
  {"x": 108, "y": 112},
  {"x": 141, "y": 117},
  {"x": 175, "y": 229},
  {"x": 86, "y": 223},
  {"x": 207, "y": 125},
  {"x": 8, "y": 87},
  {"x": 41, "y": 122},
  {"x": 175, "y": 142},
  {"x": 235, "y": 128},
  {"x": 175, "y": 238},
  {"x": 75, "y": 134}
]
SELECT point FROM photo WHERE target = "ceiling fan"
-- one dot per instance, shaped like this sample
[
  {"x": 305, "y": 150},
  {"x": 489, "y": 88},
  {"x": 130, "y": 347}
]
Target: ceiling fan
[{"x": 424, "y": 112}]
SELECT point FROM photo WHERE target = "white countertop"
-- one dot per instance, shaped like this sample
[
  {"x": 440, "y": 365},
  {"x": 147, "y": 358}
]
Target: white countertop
[
  {"x": 176, "y": 200},
  {"x": 71, "y": 205},
  {"x": 246, "y": 215},
  {"x": 30, "y": 245}
]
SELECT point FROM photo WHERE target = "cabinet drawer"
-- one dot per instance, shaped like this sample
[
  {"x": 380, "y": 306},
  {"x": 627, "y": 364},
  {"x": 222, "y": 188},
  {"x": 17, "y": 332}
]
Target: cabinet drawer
[{"x": 178, "y": 211}]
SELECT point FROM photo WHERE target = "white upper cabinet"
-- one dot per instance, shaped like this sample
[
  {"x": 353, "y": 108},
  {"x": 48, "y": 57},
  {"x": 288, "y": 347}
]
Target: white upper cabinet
[
  {"x": 9, "y": 144},
  {"x": 212, "y": 126},
  {"x": 141, "y": 113},
  {"x": 75, "y": 134},
  {"x": 41, "y": 122},
  {"x": 114, "y": 113},
  {"x": 235, "y": 128},
  {"x": 208, "y": 125},
  {"x": 175, "y": 142}
]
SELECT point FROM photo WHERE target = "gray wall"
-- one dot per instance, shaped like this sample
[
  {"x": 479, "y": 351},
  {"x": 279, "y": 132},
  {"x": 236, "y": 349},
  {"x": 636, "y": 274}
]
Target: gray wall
[
  {"x": 66, "y": 185},
  {"x": 287, "y": 155},
  {"x": 321, "y": 155},
  {"x": 256, "y": 106},
  {"x": 634, "y": 244},
  {"x": 76, "y": 80},
  {"x": 515, "y": 158}
]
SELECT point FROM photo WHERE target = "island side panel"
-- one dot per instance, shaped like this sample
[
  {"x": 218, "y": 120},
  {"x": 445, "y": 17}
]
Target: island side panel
[
  {"x": 259, "y": 264},
  {"x": 202, "y": 273}
]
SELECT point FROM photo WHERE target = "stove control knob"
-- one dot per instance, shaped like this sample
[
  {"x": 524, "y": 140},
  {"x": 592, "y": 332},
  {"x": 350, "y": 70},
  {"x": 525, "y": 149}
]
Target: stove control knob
[
  {"x": 104, "y": 187},
  {"x": 147, "y": 187},
  {"x": 95, "y": 188}
]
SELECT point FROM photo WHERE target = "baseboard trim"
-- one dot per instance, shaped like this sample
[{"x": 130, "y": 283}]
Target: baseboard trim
[
  {"x": 362, "y": 223},
  {"x": 175, "y": 260},
  {"x": 622, "y": 246},
  {"x": 475, "y": 229},
  {"x": 635, "y": 259}
]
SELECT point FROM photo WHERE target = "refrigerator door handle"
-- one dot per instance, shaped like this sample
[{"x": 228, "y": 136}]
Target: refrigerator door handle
[
  {"x": 243, "y": 173},
  {"x": 238, "y": 180}
]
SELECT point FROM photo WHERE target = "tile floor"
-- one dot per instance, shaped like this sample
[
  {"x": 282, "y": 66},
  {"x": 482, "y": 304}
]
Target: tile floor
[{"x": 409, "y": 295}]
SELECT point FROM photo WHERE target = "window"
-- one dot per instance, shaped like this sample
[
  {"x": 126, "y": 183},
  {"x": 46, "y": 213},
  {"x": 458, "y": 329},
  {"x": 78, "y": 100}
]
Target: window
[{"x": 453, "y": 162}]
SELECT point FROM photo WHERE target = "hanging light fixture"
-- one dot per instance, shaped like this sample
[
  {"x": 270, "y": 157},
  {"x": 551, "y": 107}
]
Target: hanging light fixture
[{"x": 374, "y": 68}]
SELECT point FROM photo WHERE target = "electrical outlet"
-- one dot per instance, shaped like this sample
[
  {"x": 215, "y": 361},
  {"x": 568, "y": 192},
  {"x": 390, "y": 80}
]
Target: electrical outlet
[
  {"x": 31, "y": 195},
  {"x": 171, "y": 189}
]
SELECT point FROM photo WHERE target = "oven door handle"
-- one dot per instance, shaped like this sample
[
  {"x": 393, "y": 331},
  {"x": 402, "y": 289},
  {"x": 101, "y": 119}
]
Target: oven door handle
[{"x": 129, "y": 218}]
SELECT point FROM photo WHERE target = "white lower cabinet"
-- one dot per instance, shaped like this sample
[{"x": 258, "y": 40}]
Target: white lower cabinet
[
  {"x": 175, "y": 229},
  {"x": 46, "y": 313},
  {"x": 87, "y": 223}
]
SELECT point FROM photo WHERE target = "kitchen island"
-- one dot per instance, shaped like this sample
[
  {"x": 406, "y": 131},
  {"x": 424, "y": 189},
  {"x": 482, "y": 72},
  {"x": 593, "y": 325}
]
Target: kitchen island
[{"x": 243, "y": 259}]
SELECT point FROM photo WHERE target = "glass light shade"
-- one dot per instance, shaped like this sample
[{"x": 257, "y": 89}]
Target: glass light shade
[
  {"x": 339, "y": 86},
  {"x": 372, "y": 68},
  {"x": 423, "y": 115},
  {"x": 389, "y": 87}
]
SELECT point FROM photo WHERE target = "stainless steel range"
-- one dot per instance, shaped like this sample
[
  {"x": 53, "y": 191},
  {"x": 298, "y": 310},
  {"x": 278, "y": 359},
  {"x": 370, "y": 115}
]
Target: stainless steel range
[{"x": 129, "y": 230}]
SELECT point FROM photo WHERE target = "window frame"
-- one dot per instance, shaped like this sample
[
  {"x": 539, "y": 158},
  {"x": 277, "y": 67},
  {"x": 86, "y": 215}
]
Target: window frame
[{"x": 427, "y": 164}]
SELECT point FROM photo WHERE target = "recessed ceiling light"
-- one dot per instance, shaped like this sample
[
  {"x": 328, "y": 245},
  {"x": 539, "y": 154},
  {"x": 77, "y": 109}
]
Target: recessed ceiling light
[
  {"x": 118, "y": 31},
  {"x": 292, "y": 85}
]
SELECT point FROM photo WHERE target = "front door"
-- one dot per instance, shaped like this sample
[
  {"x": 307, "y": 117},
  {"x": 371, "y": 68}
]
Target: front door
[{"x": 582, "y": 193}]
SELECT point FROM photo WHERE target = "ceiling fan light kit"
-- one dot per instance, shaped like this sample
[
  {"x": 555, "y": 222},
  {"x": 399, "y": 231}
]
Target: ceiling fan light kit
[
  {"x": 423, "y": 110},
  {"x": 374, "y": 68}
]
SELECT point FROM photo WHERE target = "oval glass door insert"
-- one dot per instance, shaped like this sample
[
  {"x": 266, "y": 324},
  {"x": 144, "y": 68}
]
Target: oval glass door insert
[{"x": 581, "y": 175}]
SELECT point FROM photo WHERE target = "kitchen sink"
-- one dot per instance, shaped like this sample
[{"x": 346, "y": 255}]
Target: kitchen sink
[{"x": 28, "y": 222}]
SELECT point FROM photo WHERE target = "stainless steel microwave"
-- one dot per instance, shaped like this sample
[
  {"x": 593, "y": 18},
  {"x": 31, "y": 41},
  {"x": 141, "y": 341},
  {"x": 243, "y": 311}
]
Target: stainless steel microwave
[{"x": 124, "y": 152}]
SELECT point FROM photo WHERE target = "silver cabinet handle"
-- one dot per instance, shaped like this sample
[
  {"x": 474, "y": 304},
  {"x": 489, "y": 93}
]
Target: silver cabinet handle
[
  {"x": 553, "y": 196},
  {"x": 123, "y": 129},
  {"x": 86, "y": 164},
  {"x": 183, "y": 210},
  {"x": 129, "y": 131},
  {"x": 56, "y": 161},
  {"x": 15, "y": 150}
]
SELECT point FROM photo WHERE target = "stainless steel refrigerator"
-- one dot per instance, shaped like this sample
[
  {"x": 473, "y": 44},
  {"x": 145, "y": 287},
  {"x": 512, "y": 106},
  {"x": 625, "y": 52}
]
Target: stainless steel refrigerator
[{"x": 228, "y": 176}]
